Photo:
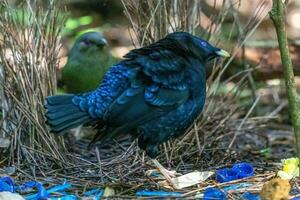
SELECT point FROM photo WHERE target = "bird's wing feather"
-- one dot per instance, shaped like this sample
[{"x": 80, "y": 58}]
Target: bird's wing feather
[
  {"x": 157, "y": 76},
  {"x": 157, "y": 88},
  {"x": 137, "y": 90},
  {"x": 114, "y": 83},
  {"x": 163, "y": 66}
]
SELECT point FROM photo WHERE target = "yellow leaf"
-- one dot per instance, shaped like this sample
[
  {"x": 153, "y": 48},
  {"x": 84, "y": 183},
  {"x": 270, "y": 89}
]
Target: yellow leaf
[{"x": 290, "y": 168}]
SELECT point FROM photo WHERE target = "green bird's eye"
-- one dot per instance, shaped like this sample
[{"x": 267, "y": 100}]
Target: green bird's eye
[{"x": 86, "y": 42}]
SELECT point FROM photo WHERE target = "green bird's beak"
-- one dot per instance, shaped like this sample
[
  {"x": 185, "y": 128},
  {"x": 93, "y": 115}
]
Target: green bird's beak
[
  {"x": 222, "y": 53},
  {"x": 103, "y": 41}
]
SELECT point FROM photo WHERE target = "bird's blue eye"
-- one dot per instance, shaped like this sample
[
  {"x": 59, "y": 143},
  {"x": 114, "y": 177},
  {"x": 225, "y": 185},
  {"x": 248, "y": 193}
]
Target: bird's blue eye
[{"x": 203, "y": 43}]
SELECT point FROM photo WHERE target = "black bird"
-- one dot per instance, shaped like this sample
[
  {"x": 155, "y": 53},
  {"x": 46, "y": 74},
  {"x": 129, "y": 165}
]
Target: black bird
[{"x": 155, "y": 93}]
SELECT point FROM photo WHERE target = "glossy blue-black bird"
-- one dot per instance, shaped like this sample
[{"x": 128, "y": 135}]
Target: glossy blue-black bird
[{"x": 155, "y": 93}]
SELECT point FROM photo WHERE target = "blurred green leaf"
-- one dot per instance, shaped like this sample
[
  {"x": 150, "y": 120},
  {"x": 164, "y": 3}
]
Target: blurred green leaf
[
  {"x": 86, "y": 20},
  {"x": 72, "y": 24}
]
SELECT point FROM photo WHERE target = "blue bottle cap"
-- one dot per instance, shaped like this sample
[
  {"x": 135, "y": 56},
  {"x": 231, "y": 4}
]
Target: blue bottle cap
[
  {"x": 214, "y": 194},
  {"x": 225, "y": 175},
  {"x": 243, "y": 170},
  {"x": 7, "y": 184}
]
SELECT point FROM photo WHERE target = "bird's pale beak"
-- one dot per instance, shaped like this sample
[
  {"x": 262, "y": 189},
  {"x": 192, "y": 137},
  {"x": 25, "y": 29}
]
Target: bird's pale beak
[
  {"x": 102, "y": 42},
  {"x": 222, "y": 53}
]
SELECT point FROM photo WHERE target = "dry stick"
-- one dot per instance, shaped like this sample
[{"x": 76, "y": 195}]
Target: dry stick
[
  {"x": 100, "y": 165},
  {"x": 244, "y": 120},
  {"x": 277, "y": 15}
]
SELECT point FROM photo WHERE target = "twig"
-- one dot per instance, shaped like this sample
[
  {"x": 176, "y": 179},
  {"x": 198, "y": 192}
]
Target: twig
[
  {"x": 277, "y": 14},
  {"x": 244, "y": 120},
  {"x": 100, "y": 165}
]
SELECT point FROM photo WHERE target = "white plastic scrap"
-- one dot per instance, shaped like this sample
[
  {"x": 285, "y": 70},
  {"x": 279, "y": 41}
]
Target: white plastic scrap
[
  {"x": 10, "y": 196},
  {"x": 190, "y": 179}
]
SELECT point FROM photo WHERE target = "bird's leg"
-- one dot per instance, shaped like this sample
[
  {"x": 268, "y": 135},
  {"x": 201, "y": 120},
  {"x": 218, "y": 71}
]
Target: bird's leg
[
  {"x": 77, "y": 132},
  {"x": 166, "y": 173}
]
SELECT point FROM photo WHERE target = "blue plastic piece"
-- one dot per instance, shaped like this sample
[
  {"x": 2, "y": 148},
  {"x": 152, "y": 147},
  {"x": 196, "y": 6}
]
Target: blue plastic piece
[
  {"x": 243, "y": 170},
  {"x": 7, "y": 184},
  {"x": 59, "y": 188},
  {"x": 294, "y": 191},
  {"x": 44, "y": 194},
  {"x": 148, "y": 193},
  {"x": 225, "y": 175},
  {"x": 155, "y": 174},
  {"x": 214, "y": 194},
  {"x": 99, "y": 195},
  {"x": 91, "y": 192},
  {"x": 27, "y": 186},
  {"x": 237, "y": 186},
  {"x": 296, "y": 198},
  {"x": 67, "y": 197},
  {"x": 250, "y": 196},
  {"x": 96, "y": 193},
  {"x": 238, "y": 171}
]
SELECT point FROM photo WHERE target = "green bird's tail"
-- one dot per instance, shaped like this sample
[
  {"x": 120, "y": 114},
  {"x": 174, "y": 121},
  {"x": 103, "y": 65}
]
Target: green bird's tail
[{"x": 62, "y": 115}]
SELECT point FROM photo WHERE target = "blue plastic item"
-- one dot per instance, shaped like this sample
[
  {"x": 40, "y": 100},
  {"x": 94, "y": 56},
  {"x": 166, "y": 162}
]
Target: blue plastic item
[
  {"x": 92, "y": 192},
  {"x": 42, "y": 193},
  {"x": 67, "y": 197},
  {"x": 155, "y": 174},
  {"x": 225, "y": 175},
  {"x": 296, "y": 198},
  {"x": 214, "y": 194},
  {"x": 96, "y": 193},
  {"x": 238, "y": 171},
  {"x": 237, "y": 186},
  {"x": 59, "y": 188},
  {"x": 7, "y": 184},
  {"x": 294, "y": 191},
  {"x": 148, "y": 193},
  {"x": 243, "y": 170},
  {"x": 250, "y": 196}
]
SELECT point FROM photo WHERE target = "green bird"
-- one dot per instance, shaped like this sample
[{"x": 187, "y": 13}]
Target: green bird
[{"x": 88, "y": 61}]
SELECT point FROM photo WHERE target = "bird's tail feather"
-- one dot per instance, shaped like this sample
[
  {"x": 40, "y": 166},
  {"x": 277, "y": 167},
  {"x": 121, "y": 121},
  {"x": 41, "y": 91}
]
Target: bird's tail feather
[{"x": 62, "y": 115}]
